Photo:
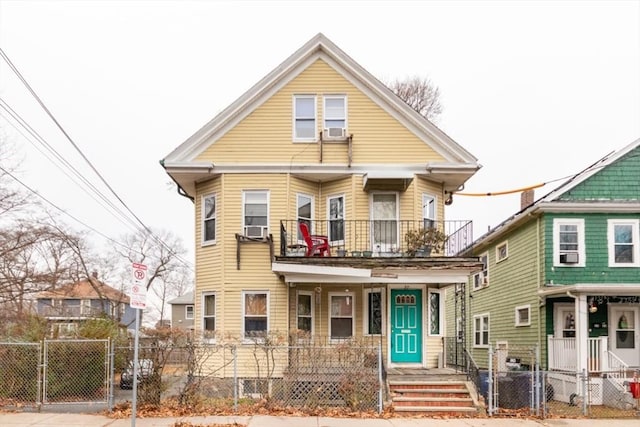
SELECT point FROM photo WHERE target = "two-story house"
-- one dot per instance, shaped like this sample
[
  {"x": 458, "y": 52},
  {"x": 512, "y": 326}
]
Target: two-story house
[
  {"x": 304, "y": 190},
  {"x": 67, "y": 306},
  {"x": 564, "y": 274},
  {"x": 182, "y": 312}
]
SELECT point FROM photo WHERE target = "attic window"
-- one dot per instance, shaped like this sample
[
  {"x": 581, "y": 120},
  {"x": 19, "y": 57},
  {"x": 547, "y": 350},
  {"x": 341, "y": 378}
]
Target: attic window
[{"x": 304, "y": 114}]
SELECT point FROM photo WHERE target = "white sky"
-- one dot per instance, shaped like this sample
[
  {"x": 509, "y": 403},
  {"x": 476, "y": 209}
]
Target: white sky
[{"x": 535, "y": 90}]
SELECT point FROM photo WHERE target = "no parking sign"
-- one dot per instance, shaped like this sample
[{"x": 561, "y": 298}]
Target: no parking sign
[{"x": 138, "y": 297}]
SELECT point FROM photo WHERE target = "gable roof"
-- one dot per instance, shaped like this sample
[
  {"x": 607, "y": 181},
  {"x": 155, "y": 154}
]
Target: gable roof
[
  {"x": 90, "y": 288},
  {"x": 181, "y": 162},
  {"x": 183, "y": 299},
  {"x": 552, "y": 202}
]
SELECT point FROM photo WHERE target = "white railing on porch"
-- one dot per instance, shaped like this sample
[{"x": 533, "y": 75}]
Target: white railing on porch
[
  {"x": 617, "y": 367},
  {"x": 562, "y": 355}
]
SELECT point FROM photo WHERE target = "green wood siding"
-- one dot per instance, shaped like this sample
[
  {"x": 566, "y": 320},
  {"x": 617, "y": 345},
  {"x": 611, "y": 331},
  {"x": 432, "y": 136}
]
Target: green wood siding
[
  {"x": 618, "y": 181},
  {"x": 596, "y": 269}
]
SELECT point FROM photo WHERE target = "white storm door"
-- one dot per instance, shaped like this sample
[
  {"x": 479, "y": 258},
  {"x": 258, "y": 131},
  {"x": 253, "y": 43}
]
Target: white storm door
[
  {"x": 624, "y": 333},
  {"x": 384, "y": 222}
]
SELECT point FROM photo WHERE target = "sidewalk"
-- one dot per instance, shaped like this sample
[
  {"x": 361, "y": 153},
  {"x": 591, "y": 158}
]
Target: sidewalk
[{"x": 25, "y": 419}]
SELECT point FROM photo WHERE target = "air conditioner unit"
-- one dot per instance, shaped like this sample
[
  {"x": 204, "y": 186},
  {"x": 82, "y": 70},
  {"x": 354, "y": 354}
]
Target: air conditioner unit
[
  {"x": 254, "y": 231},
  {"x": 334, "y": 133},
  {"x": 569, "y": 258}
]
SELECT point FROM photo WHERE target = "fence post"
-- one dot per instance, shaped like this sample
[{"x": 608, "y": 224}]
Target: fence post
[
  {"x": 537, "y": 380},
  {"x": 490, "y": 382},
  {"x": 379, "y": 378},
  {"x": 112, "y": 367},
  {"x": 584, "y": 392},
  {"x": 234, "y": 351}
]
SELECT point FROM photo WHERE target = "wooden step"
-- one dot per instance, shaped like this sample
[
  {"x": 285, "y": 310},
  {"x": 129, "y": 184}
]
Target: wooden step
[
  {"x": 432, "y": 401},
  {"x": 435, "y": 410},
  {"x": 446, "y": 398}
]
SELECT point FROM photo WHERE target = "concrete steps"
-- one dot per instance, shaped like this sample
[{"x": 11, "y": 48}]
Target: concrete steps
[{"x": 442, "y": 398}]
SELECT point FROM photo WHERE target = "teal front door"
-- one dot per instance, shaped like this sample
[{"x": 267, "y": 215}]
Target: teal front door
[{"x": 406, "y": 326}]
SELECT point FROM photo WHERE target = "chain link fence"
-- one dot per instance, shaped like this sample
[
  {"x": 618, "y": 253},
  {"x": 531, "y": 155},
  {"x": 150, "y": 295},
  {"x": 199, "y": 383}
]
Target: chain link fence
[{"x": 20, "y": 374}]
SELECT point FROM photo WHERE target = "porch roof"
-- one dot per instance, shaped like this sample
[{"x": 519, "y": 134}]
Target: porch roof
[
  {"x": 401, "y": 272},
  {"x": 630, "y": 289}
]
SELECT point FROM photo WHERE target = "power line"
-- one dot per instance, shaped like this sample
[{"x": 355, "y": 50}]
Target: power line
[{"x": 104, "y": 181}]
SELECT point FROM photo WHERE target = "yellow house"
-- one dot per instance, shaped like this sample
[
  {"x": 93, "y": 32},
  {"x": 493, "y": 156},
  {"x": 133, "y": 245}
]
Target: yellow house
[{"x": 306, "y": 189}]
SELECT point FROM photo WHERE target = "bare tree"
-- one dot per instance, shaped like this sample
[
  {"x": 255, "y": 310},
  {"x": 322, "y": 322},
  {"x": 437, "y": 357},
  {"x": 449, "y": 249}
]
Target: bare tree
[{"x": 420, "y": 94}]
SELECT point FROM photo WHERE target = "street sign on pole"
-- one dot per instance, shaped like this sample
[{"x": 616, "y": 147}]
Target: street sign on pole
[{"x": 138, "y": 297}]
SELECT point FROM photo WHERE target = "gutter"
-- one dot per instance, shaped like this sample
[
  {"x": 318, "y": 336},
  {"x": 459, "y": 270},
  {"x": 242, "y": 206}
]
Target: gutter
[{"x": 181, "y": 191}]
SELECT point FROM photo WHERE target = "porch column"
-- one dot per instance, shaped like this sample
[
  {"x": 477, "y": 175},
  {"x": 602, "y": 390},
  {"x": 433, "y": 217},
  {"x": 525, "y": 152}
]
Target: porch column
[{"x": 582, "y": 339}]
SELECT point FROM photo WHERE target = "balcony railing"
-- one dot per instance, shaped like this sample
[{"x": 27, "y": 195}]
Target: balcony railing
[
  {"x": 373, "y": 237},
  {"x": 562, "y": 355}
]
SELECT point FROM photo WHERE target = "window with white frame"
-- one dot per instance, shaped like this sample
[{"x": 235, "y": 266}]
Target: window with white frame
[
  {"x": 374, "y": 309},
  {"x": 188, "y": 312},
  {"x": 256, "y": 213},
  {"x": 209, "y": 219},
  {"x": 305, "y": 311},
  {"x": 502, "y": 251},
  {"x": 624, "y": 243},
  {"x": 255, "y": 313},
  {"x": 209, "y": 314},
  {"x": 481, "y": 330},
  {"x": 481, "y": 279},
  {"x": 341, "y": 319},
  {"x": 428, "y": 210},
  {"x": 304, "y": 212},
  {"x": 523, "y": 315},
  {"x": 304, "y": 118},
  {"x": 335, "y": 115},
  {"x": 568, "y": 242},
  {"x": 435, "y": 313},
  {"x": 335, "y": 205}
]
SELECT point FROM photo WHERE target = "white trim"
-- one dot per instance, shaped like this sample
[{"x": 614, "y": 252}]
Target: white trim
[
  {"x": 433, "y": 199},
  {"x": 635, "y": 241},
  {"x": 344, "y": 214},
  {"x": 365, "y": 311},
  {"x": 482, "y": 343},
  {"x": 203, "y": 219},
  {"x": 324, "y": 110},
  {"x": 504, "y": 244},
  {"x": 579, "y": 223},
  {"x": 591, "y": 289},
  {"x": 312, "y": 216},
  {"x": 518, "y": 321},
  {"x": 398, "y": 241},
  {"x": 482, "y": 277},
  {"x": 330, "y": 316},
  {"x": 294, "y": 117},
  {"x": 214, "y": 316},
  {"x": 242, "y": 302},
  {"x": 265, "y": 228},
  {"x": 558, "y": 320},
  {"x": 186, "y": 312}
]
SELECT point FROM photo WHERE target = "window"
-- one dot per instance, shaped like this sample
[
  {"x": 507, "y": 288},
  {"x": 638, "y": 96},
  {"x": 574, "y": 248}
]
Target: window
[
  {"x": 335, "y": 114},
  {"x": 568, "y": 242},
  {"x": 255, "y": 313},
  {"x": 481, "y": 279},
  {"x": 341, "y": 319},
  {"x": 502, "y": 251},
  {"x": 209, "y": 219},
  {"x": 305, "y": 312},
  {"x": 304, "y": 212},
  {"x": 481, "y": 330},
  {"x": 374, "y": 300},
  {"x": 459, "y": 329},
  {"x": 624, "y": 243},
  {"x": 304, "y": 118},
  {"x": 256, "y": 213},
  {"x": 523, "y": 315},
  {"x": 209, "y": 314},
  {"x": 435, "y": 313},
  {"x": 188, "y": 312},
  {"x": 428, "y": 210},
  {"x": 336, "y": 219}
]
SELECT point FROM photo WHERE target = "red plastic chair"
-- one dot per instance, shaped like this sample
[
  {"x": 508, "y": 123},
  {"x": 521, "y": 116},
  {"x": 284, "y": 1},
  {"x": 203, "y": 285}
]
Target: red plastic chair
[{"x": 316, "y": 244}]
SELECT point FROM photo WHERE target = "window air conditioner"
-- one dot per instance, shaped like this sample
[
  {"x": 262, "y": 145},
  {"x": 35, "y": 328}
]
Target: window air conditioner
[
  {"x": 569, "y": 258},
  {"x": 334, "y": 133},
  {"x": 254, "y": 231}
]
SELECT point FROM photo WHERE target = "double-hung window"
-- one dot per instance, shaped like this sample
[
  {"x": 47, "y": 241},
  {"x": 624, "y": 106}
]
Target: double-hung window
[
  {"x": 305, "y": 213},
  {"x": 481, "y": 330},
  {"x": 428, "y": 211},
  {"x": 341, "y": 319},
  {"x": 255, "y": 311},
  {"x": 209, "y": 314},
  {"x": 256, "y": 213},
  {"x": 188, "y": 312},
  {"x": 304, "y": 113},
  {"x": 335, "y": 115},
  {"x": 305, "y": 312},
  {"x": 568, "y": 242},
  {"x": 481, "y": 279},
  {"x": 624, "y": 243},
  {"x": 209, "y": 219}
]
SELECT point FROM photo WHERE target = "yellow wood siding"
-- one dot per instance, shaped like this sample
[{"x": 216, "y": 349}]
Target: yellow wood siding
[{"x": 266, "y": 134}]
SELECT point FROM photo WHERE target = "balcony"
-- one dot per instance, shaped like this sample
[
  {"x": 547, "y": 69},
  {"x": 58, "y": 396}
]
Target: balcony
[{"x": 374, "y": 238}]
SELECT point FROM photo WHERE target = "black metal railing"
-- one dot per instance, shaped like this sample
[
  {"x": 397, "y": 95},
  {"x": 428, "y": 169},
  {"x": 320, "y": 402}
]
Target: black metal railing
[{"x": 391, "y": 238}]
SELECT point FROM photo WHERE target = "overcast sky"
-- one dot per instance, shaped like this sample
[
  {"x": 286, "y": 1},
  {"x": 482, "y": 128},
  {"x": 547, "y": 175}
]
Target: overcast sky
[{"x": 535, "y": 90}]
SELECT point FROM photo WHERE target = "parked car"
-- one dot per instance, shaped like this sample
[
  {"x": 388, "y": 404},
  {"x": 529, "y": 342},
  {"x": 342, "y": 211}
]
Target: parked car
[{"x": 145, "y": 370}]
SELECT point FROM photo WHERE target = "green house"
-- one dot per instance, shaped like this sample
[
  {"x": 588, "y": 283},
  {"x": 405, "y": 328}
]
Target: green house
[{"x": 562, "y": 274}]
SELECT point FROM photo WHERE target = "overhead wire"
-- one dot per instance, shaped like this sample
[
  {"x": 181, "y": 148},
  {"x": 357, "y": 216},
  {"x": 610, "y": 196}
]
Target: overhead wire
[{"x": 145, "y": 228}]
